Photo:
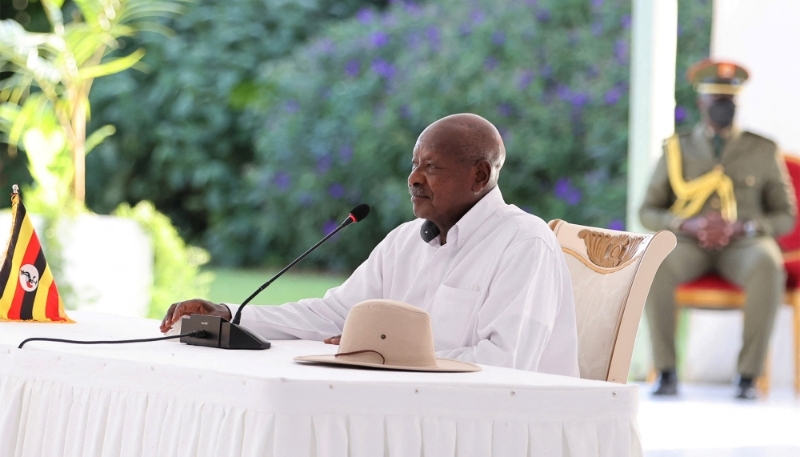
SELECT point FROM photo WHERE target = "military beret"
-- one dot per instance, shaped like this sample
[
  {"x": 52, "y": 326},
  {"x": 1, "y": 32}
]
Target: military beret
[{"x": 716, "y": 77}]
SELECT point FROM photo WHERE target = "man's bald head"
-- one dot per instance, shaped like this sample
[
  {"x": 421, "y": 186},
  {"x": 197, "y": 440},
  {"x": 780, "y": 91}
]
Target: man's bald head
[{"x": 468, "y": 137}]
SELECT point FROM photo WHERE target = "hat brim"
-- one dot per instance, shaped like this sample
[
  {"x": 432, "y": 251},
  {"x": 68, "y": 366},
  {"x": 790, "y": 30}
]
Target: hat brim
[{"x": 442, "y": 365}]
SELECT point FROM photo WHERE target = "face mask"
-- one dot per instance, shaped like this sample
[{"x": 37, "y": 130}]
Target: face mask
[{"x": 721, "y": 112}]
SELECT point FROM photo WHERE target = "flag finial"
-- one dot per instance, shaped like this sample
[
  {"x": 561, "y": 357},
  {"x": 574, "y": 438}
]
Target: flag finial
[{"x": 15, "y": 189}]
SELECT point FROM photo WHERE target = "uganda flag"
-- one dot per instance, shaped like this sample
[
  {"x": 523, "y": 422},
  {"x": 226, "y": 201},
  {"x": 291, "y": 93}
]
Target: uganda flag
[{"x": 27, "y": 289}]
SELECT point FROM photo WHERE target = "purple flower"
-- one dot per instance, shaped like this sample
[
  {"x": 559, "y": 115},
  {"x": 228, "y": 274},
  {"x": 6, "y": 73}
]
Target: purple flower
[
  {"x": 465, "y": 29},
  {"x": 565, "y": 191},
  {"x": 346, "y": 153},
  {"x": 282, "y": 181},
  {"x": 564, "y": 93},
  {"x": 525, "y": 79},
  {"x": 490, "y": 63},
  {"x": 505, "y": 110},
  {"x": 621, "y": 51},
  {"x": 477, "y": 16},
  {"x": 327, "y": 46},
  {"x": 613, "y": 95},
  {"x": 597, "y": 3},
  {"x": 324, "y": 164},
  {"x": 547, "y": 71},
  {"x": 352, "y": 68},
  {"x": 543, "y": 15},
  {"x": 498, "y": 38},
  {"x": 680, "y": 30},
  {"x": 412, "y": 8},
  {"x": 505, "y": 134},
  {"x": 597, "y": 28},
  {"x": 680, "y": 114},
  {"x": 616, "y": 224},
  {"x": 405, "y": 112},
  {"x": 625, "y": 22},
  {"x": 336, "y": 190},
  {"x": 364, "y": 16},
  {"x": 434, "y": 37},
  {"x": 592, "y": 72},
  {"x": 291, "y": 106},
  {"x": 306, "y": 199},
  {"x": 579, "y": 99},
  {"x": 383, "y": 68},
  {"x": 379, "y": 40},
  {"x": 329, "y": 227}
]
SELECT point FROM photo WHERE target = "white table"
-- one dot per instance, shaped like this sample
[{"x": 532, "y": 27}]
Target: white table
[{"x": 171, "y": 399}]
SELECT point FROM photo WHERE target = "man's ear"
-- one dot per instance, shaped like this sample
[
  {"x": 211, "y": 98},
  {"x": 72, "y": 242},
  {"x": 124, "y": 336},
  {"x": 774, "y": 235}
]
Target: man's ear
[{"x": 482, "y": 174}]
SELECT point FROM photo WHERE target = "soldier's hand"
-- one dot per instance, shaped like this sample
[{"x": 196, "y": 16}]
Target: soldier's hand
[
  {"x": 695, "y": 226},
  {"x": 718, "y": 232},
  {"x": 194, "y": 306},
  {"x": 333, "y": 340}
]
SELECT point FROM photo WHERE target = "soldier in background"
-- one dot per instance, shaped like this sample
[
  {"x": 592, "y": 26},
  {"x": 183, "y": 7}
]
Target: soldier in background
[{"x": 726, "y": 194}]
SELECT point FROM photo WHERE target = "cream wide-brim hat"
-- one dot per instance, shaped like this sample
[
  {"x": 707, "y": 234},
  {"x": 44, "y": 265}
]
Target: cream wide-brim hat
[{"x": 391, "y": 335}]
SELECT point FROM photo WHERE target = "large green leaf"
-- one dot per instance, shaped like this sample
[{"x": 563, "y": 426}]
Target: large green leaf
[{"x": 112, "y": 66}]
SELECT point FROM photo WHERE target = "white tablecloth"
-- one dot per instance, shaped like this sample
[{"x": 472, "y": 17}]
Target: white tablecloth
[{"x": 171, "y": 399}]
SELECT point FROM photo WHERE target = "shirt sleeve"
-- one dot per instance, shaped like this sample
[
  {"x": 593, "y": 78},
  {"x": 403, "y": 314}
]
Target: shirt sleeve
[
  {"x": 319, "y": 318},
  {"x": 780, "y": 207},
  {"x": 518, "y": 317}
]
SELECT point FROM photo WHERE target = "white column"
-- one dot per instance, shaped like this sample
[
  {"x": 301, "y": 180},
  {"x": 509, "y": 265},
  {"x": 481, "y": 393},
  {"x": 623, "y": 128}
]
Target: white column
[{"x": 652, "y": 112}]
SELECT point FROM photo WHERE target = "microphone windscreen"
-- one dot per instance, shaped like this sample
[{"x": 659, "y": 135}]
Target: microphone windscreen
[{"x": 360, "y": 212}]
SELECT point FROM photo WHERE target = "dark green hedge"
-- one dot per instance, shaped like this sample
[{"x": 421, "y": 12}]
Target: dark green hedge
[
  {"x": 333, "y": 123},
  {"x": 336, "y": 123},
  {"x": 180, "y": 141}
]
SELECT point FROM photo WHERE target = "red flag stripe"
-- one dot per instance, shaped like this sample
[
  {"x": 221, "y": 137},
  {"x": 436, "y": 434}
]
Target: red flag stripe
[
  {"x": 31, "y": 251},
  {"x": 51, "y": 310}
]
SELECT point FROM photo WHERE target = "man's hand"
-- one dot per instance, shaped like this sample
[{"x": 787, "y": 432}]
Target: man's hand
[
  {"x": 333, "y": 340},
  {"x": 712, "y": 231},
  {"x": 194, "y": 306}
]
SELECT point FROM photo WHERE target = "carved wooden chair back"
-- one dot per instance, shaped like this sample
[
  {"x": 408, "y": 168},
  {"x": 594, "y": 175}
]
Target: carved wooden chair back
[{"x": 611, "y": 275}]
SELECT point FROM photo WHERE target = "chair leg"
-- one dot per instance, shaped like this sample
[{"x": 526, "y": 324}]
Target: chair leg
[{"x": 763, "y": 382}]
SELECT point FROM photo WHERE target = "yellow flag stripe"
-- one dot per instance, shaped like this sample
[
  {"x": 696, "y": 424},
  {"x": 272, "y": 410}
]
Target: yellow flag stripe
[
  {"x": 40, "y": 302},
  {"x": 25, "y": 232}
]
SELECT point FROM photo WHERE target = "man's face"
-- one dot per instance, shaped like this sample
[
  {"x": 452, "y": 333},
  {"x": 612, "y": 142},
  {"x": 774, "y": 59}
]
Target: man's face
[
  {"x": 718, "y": 109},
  {"x": 440, "y": 186}
]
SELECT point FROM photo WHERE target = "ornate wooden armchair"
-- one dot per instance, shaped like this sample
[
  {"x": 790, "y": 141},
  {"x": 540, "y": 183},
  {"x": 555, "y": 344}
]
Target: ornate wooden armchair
[
  {"x": 713, "y": 292},
  {"x": 611, "y": 275}
]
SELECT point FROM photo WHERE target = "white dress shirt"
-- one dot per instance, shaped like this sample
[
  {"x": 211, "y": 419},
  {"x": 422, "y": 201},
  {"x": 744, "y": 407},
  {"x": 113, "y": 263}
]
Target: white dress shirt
[{"x": 498, "y": 292}]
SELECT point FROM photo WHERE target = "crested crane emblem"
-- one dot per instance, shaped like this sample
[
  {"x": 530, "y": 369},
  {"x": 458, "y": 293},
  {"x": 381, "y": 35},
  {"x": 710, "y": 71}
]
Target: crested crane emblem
[{"x": 28, "y": 277}]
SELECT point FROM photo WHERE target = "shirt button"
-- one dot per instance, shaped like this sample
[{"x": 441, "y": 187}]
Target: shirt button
[
  {"x": 715, "y": 203},
  {"x": 750, "y": 180}
]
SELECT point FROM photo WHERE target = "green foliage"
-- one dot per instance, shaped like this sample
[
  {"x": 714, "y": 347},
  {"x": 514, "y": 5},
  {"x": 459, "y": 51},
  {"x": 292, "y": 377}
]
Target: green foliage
[
  {"x": 333, "y": 124},
  {"x": 694, "y": 33},
  {"x": 336, "y": 123},
  {"x": 176, "y": 268},
  {"x": 181, "y": 142},
  {"x": 48, "y": 76}
]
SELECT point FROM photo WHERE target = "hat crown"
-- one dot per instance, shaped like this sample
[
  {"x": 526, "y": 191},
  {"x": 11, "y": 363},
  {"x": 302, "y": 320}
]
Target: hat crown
[{"x": 389, "y": 333}]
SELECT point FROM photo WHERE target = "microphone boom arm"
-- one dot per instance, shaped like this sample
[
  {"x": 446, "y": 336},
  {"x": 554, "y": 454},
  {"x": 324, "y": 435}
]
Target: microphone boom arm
[{"x": 238, "y": 316}]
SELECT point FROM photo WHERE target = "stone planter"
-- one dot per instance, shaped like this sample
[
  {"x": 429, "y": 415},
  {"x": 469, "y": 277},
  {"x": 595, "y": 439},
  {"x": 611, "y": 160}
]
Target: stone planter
[{"x": 107, "y": 262}]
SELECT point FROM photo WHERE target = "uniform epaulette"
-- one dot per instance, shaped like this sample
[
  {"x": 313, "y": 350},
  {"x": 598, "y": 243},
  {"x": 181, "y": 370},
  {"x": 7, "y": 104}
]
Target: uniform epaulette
[{"x": 760, "y": 138}]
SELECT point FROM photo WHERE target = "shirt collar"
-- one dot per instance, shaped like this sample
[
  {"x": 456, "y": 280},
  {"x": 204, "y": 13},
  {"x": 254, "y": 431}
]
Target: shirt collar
[{"x": 475, "y": 217}]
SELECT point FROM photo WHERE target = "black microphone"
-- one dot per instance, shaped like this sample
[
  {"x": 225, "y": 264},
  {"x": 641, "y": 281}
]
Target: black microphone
[{"x": 229, "y": 335}]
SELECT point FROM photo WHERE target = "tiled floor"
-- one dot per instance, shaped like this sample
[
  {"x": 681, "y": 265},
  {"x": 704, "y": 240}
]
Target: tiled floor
[{"x": 706, "y": 420}]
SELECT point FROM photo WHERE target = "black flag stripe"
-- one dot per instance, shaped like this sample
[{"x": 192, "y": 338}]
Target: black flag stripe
[
  {"x": 5, "y": 270},
  {"x": 26, "y": 309}
]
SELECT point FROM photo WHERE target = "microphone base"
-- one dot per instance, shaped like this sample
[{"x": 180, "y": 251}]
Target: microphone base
[{"x": 220, "y": 333}]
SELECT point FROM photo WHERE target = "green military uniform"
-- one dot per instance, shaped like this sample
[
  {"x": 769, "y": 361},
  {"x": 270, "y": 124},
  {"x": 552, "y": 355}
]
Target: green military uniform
[{"x": 763, "y": 198}]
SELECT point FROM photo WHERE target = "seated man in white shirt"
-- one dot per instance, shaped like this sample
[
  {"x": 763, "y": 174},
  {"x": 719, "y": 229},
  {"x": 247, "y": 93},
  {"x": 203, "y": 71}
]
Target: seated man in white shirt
[{"x": 491, "y": 276}]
